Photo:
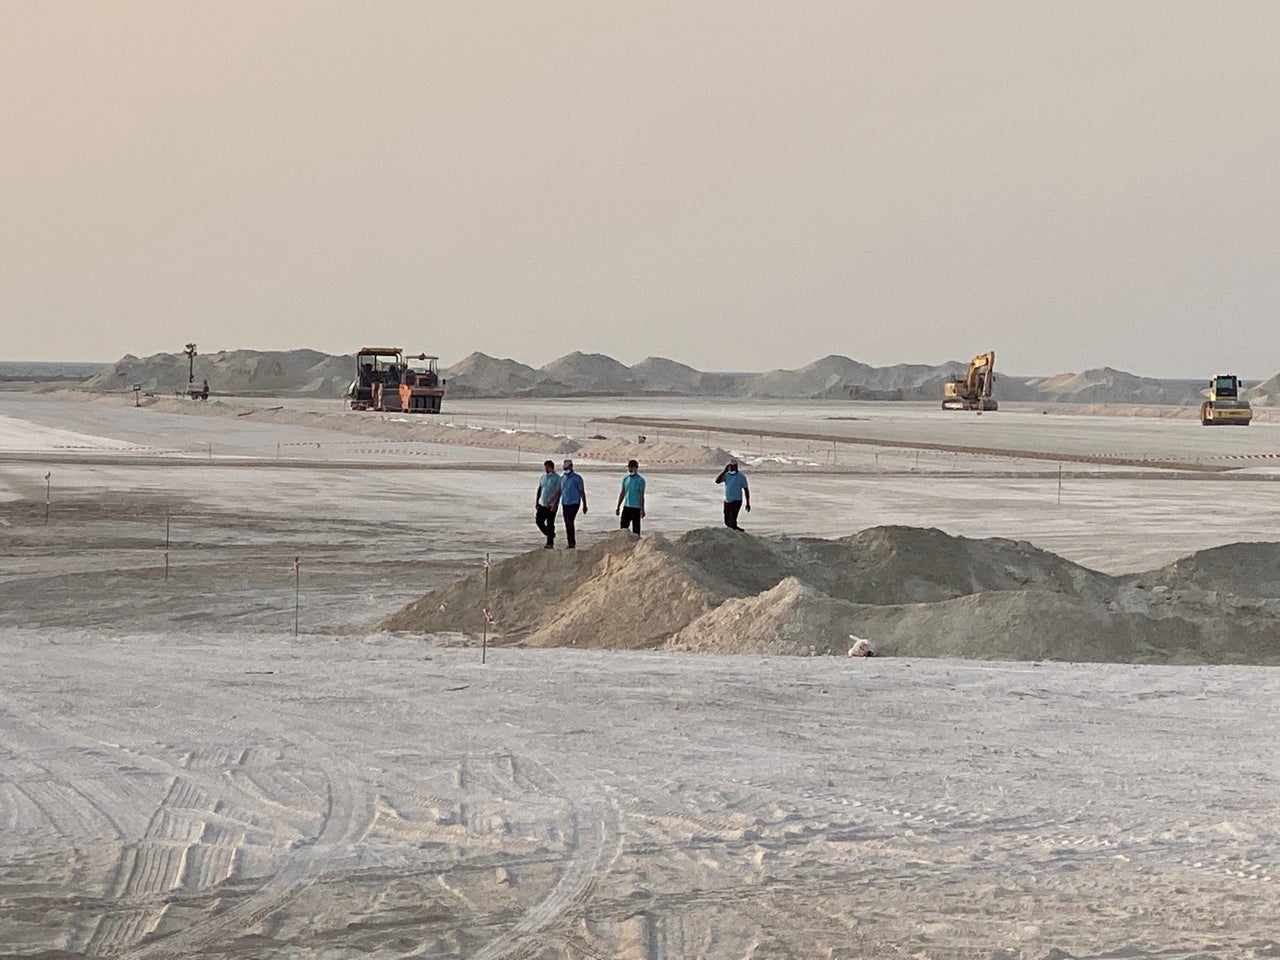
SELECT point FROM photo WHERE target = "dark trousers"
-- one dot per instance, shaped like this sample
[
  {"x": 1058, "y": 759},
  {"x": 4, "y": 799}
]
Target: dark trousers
[
  {"x": 570, "y": 515},
  {"x": 631, "y": 518},
  {"x": 731, "y": 510},
  {"x": 545, "y": 518}
]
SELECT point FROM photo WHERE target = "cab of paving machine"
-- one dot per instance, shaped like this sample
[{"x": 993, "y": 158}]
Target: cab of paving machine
[{"x": 378, "y": 373}]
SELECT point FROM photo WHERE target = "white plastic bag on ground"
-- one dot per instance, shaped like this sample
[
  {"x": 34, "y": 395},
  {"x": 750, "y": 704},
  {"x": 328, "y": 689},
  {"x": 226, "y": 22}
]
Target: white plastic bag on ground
[{"x": 861, "y": 647}]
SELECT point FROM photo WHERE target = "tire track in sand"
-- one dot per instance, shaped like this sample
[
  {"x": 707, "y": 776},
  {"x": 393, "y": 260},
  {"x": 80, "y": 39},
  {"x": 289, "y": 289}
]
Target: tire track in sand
[
  {"x": 348, "y": 815},
  {"x": 152, "y": 872},
  {"x": 592, "y": 841}
]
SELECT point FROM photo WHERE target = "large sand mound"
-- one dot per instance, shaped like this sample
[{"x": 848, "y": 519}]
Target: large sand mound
[
  {"x": 621, "y": 593},
  {"x": 912, "y": 592},
  {"x": 480, "y": 375},
  {"x": 1244, "y": 569},
  {"x": 794, "y": 618},
  {"x": 790, "y": 618},
  {"x": 272, "y": 372},
  {"x": 897, "y": 564},
  {"x": 1027, "y": 625}
]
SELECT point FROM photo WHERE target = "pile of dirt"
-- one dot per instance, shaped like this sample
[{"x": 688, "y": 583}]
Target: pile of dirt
[
  {"x": 660, "y": 375},
  {"x": 480, "y": 375},
  {"x": 591, "y": 373},
  {"x": 272, "y": 372},
  {"x": 910, "y": 591},
  {"x": 789, "y": 619},
  {"x": 1105, "y": 385},
  {"x": 1027, "y": 625},
  {"x": 796, "y": 619},
  {"x": 899, "y": 564},
  {"x": 622, "y": 593},
  {"x": 1241, "y": 569}
]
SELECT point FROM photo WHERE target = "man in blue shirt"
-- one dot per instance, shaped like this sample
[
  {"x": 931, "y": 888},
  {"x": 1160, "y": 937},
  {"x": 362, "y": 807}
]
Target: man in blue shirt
[
  {"x": 545, "y": 502},
  {"x": 573, "y": 494},
  {"x": 736, "y": 492},
  {"x": 632, "y": 493}
]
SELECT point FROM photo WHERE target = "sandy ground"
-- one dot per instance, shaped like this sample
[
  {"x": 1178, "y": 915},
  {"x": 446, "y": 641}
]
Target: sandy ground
[{"x": 182, "y": 776}]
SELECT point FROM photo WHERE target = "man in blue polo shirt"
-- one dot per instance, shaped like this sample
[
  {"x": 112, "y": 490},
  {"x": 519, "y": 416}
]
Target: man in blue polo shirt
[
  {"x": 631, "y": 498},
  {"x": 573, "y": 494},
  {"x": 736, "y": 492},
  {"x": 546, "y": 501}
]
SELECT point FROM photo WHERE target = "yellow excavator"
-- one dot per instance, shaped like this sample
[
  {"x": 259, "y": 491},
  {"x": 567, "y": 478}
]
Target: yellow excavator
[
  {"x": 1225, "y": 405},
  {"x": 972, "y": 391}
]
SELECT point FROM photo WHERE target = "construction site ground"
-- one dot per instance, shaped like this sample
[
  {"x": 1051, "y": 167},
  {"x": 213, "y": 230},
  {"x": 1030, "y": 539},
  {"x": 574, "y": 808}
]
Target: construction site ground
[{"x": 212, "y": 753}]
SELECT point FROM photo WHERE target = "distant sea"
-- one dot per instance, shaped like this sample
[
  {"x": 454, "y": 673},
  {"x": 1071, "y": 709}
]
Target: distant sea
[{"x": 48, "y": 369}]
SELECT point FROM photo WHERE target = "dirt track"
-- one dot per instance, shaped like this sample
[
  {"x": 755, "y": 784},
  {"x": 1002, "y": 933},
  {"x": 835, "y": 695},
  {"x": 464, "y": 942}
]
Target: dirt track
[{"x": 989, "y": 451}]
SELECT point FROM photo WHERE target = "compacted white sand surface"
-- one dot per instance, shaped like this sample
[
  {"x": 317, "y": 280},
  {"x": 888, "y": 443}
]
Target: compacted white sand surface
[
  {"x": 218, "y": 795},
  {"x": 183, "y": 775}
]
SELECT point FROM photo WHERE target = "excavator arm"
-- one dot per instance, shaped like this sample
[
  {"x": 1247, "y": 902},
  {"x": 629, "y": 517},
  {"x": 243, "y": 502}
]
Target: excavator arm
[{"x": 982, "y": 373}]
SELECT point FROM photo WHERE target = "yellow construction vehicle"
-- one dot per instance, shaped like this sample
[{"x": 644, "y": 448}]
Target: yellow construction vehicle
[
  {"x": 1225, "y": 404},
  {"x": 972, "y": 391},
  {"x": 386, "y": 381}
]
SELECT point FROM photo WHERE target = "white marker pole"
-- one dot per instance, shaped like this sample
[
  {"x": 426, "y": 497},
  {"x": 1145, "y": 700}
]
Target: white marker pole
[
  {"x": 488, "y": 616},
  {"x": 47, "y": 487},
  {"x": 297, "y": 583}
]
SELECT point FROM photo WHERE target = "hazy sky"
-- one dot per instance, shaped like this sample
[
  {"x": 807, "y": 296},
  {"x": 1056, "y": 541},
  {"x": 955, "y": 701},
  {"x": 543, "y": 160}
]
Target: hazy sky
[{"x": 736, "y": 185}]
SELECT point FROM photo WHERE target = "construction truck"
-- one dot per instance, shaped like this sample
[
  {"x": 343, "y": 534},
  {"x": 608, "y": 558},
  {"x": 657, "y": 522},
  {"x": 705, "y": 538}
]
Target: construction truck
[
  {"x": 388, "y": 381},
  {"x": 973, "y": 390},
  {"x": 1225, "y": 404}
]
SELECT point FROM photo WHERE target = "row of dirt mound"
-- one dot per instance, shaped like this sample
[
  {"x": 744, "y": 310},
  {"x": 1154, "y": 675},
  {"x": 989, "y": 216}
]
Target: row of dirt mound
[
  {"x": 311, "y": 373},
  {"x": 830, "y": 378},
  {"x": 912, "y": 592}
]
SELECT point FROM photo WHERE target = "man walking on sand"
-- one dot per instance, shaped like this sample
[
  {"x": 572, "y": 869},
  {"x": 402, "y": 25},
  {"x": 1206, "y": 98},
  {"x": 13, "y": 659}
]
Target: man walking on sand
[
  {"x": 631, "y": 498},
  {"x": 736, "y": 492},
  {"x": 545, "y": 502},
  {"x": 573, "y": 494}
]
